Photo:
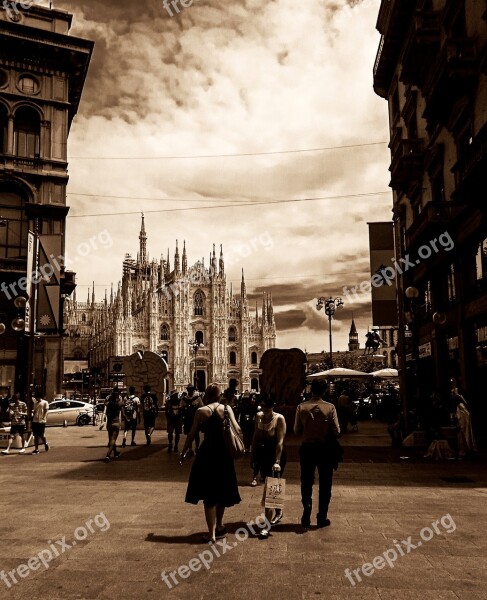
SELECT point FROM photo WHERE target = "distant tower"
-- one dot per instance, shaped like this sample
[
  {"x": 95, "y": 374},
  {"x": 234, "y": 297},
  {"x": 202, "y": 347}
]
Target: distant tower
[{"x": 353, "y": 343}]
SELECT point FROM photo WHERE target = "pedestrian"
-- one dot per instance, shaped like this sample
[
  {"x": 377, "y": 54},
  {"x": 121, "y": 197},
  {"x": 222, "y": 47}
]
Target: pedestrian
[
  {"x": 131, "y": 416},
  {"x": 149, "y": 410},
  {"x": 344, "y": 410},
  {"x": 465, "y": 438},
  {"x": 268, "y": 455},
  {"x": 316, "y": 421},
  {"x": 113, "y": 414},
  {"x": 17, "y": 412},
  {"x": 174, "y": 420},
  {"x": 212, "y": 478},
  {"x": 247, "y": 414},
  {"x": 39, "y": 420},
  {"x": 190, "y": 404}
]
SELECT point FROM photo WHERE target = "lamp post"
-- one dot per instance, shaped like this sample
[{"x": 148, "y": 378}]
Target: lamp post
[
  {"x": 331, "y": 306},
  {"x": 195, "y": 346},
  {"x": 410, "y": 315}
]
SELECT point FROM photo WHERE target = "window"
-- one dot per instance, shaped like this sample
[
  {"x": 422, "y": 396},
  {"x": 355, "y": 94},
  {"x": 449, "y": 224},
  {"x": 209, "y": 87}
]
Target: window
[
  {"x": 28, "y": 85},
  {"x": 481, "y": 260},
  {"x": 452, "y": 294},
  {"x": 13, "y": 224},
  {"x": 83, "y": 318},
  {"x": 232, "y": 334},
  {"x": 165, "y": 332},
  {"x": 199, "y": 302},
  {"x": 199, "y": 337},
  {"x": 3, "y": 129},
  {"x": 253, "y": 358},
  {"x": 438, "y": 187},
  {"x": 27, "y": 133},
  {"x": 233, "y": 358}
]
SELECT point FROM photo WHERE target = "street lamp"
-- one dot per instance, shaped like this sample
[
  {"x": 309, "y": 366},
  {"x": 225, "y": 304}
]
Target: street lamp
[
  {"x": 331, "y": 306},
  {"x": 195, "y": 346}
]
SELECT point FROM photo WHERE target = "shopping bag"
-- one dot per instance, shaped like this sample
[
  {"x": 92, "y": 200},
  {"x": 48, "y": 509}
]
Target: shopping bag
[{"x": 274, "y": 492}]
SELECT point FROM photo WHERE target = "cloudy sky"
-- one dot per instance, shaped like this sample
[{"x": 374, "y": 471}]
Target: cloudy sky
[{"x": 287, "y": 87}]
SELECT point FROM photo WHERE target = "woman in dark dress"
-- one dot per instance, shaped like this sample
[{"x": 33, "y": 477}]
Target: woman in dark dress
[{"x": 212, "y": 478}]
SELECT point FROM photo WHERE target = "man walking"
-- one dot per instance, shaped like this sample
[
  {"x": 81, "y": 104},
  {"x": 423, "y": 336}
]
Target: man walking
[
  {"x": 149, "y": 408},
  {"x": 131, "y": 416},
  {"x": 39, "y": 420},
  {"x": 317, "y": 422},
  {"x": 190, "y": 404},
  {"x": 17, "y": 412}
]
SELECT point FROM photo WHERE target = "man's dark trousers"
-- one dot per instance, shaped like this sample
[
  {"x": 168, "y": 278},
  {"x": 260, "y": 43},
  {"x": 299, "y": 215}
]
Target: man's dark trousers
[{"x": 315, "y": 455}]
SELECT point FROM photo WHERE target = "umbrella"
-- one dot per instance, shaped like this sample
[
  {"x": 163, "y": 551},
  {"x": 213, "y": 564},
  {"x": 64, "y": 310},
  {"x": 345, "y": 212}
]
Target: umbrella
[
  {"x": 385, "y": 373},
  {"x": 340, "y": 372}
]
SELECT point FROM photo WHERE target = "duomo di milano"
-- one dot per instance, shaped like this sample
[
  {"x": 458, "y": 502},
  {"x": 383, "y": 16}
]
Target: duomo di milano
[{"x": 162, "y": 310}]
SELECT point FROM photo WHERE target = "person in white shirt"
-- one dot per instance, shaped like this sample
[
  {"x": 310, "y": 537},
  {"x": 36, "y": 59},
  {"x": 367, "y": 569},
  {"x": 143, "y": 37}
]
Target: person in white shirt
[{"x": 39, "y": 420}]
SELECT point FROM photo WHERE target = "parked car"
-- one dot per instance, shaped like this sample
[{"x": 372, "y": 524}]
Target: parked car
[{"x": 74, "y": 412}]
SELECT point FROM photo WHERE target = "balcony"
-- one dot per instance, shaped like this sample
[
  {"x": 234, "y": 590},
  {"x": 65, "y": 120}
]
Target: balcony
[
  {"x": 421, "y": 46},
  {"x": 433, "y": 219},
  {"x": 451, "y": 77},
  {"x": 393, "y": 23},
  {"x": 407, "y": 163}
]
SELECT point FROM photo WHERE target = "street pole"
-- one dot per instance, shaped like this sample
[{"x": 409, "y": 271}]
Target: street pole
[{"x": 331, "y": 349}]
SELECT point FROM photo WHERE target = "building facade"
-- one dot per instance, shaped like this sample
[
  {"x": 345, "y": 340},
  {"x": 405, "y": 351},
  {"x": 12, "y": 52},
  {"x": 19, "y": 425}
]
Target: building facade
[
  {"x": 42, "y": 74},
  {"x": 186, "y": 314},
  {"x": 431, "y": 67}
]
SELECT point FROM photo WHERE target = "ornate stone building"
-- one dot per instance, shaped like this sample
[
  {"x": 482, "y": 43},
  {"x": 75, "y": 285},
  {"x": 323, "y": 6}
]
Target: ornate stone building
[
  {"x": 166, "y": 311},
  {"x": 42, "y": 74}
]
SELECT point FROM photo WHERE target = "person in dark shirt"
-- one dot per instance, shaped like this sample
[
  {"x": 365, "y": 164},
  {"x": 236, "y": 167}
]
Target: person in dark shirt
[{"x": 316, "y": 421}]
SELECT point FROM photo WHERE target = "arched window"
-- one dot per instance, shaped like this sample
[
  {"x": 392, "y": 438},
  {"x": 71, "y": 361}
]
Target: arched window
[
  {"x": 199, "y": 302},
  {"x": 233, "y": 358},
  {"x": 83, "y": 318},
  {"x": 253, "y": 358},
  {"x": 199, "y": 337},
  {"x": 254, "y": 384},
  {"x": 165, "y": 332},
  {"x": 27, "y": 133},
  {"x": 28, "y": 85},
  {"x": 232, "y": 334}
]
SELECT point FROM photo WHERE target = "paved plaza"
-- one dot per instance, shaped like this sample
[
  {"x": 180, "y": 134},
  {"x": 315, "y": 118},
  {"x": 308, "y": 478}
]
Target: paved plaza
[{"x": 136, "y": 525}]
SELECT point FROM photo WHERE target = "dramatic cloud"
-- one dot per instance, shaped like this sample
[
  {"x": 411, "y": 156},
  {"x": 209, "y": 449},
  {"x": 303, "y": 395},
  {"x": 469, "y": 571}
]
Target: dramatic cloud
[{"x": 240, "y": 77}]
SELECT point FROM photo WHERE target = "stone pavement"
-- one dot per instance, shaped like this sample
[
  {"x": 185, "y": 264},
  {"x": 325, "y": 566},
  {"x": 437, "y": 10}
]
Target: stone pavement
[{"x": 379, "y": 499}]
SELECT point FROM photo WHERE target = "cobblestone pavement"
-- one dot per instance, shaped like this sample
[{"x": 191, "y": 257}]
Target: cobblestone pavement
[{"x": 136, "y": 524}]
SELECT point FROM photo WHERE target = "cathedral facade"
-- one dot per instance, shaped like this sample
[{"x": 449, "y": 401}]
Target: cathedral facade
[{"x": 186, "y": 314}]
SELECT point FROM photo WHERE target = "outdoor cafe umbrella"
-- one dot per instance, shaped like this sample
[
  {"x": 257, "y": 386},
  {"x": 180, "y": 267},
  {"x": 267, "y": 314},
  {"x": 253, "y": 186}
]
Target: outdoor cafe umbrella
[
  {"x": 385, "y": 373},
  {"x": 340, "y": 373}
]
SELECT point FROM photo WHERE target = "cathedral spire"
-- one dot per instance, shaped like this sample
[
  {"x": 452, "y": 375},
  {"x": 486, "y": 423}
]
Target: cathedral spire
[
  {"x": 93, "y": 295},
  {"x": 185, "y": 259},
  {"x": 222, "y": 263},
  {"x": 243, "y": 289},
  {"x": 168, "y": 264},
  {"x": 176, "y": 260},
  {"x": 143, "y": 242},
  {"x": 213, "y": 262}
]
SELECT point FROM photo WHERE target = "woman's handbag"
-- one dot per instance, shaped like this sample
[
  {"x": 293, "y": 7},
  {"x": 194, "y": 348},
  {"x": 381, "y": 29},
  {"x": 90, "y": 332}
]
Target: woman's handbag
[{"x": 233, "y": 440}]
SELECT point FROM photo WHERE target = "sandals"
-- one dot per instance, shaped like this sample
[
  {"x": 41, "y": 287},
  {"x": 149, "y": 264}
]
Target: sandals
[
  {"x": 221, "y": 533},
  {"x": 253, "y": 483},
  {"x": 264, "y": 534},
  {"x": 277, "y": 517}
]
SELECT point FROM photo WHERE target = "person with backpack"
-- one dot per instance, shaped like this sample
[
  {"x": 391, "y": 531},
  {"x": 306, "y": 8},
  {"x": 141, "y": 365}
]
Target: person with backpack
[
  {"x": 149, "y": 411},
  {"x": 131, "y": 416},
  {"x": 113, "y": 413}
]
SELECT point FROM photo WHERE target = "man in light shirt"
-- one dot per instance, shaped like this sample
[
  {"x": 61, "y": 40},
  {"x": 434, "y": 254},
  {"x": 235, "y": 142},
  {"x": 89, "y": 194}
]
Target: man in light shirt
[
  {"x": 317, "y": 422},
  {"x": 39, "y": 422}
]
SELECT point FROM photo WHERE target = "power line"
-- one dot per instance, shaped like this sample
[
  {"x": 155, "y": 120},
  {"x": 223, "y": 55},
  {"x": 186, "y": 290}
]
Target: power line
[
  {"x": 196, "y": 156},
  {"x": 233, "y": 205},
  {"x": 156, "y": 199}
]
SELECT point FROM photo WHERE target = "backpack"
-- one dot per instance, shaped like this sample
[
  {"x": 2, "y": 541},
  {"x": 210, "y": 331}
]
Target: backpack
[
  {"x": 129, "y": 407},
  {"x": 149, "y": 404}
]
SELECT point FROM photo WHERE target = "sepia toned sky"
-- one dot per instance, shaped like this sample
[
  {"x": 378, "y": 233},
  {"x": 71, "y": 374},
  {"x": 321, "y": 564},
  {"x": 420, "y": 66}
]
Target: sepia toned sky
[{"x": 166, "y": 97}]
